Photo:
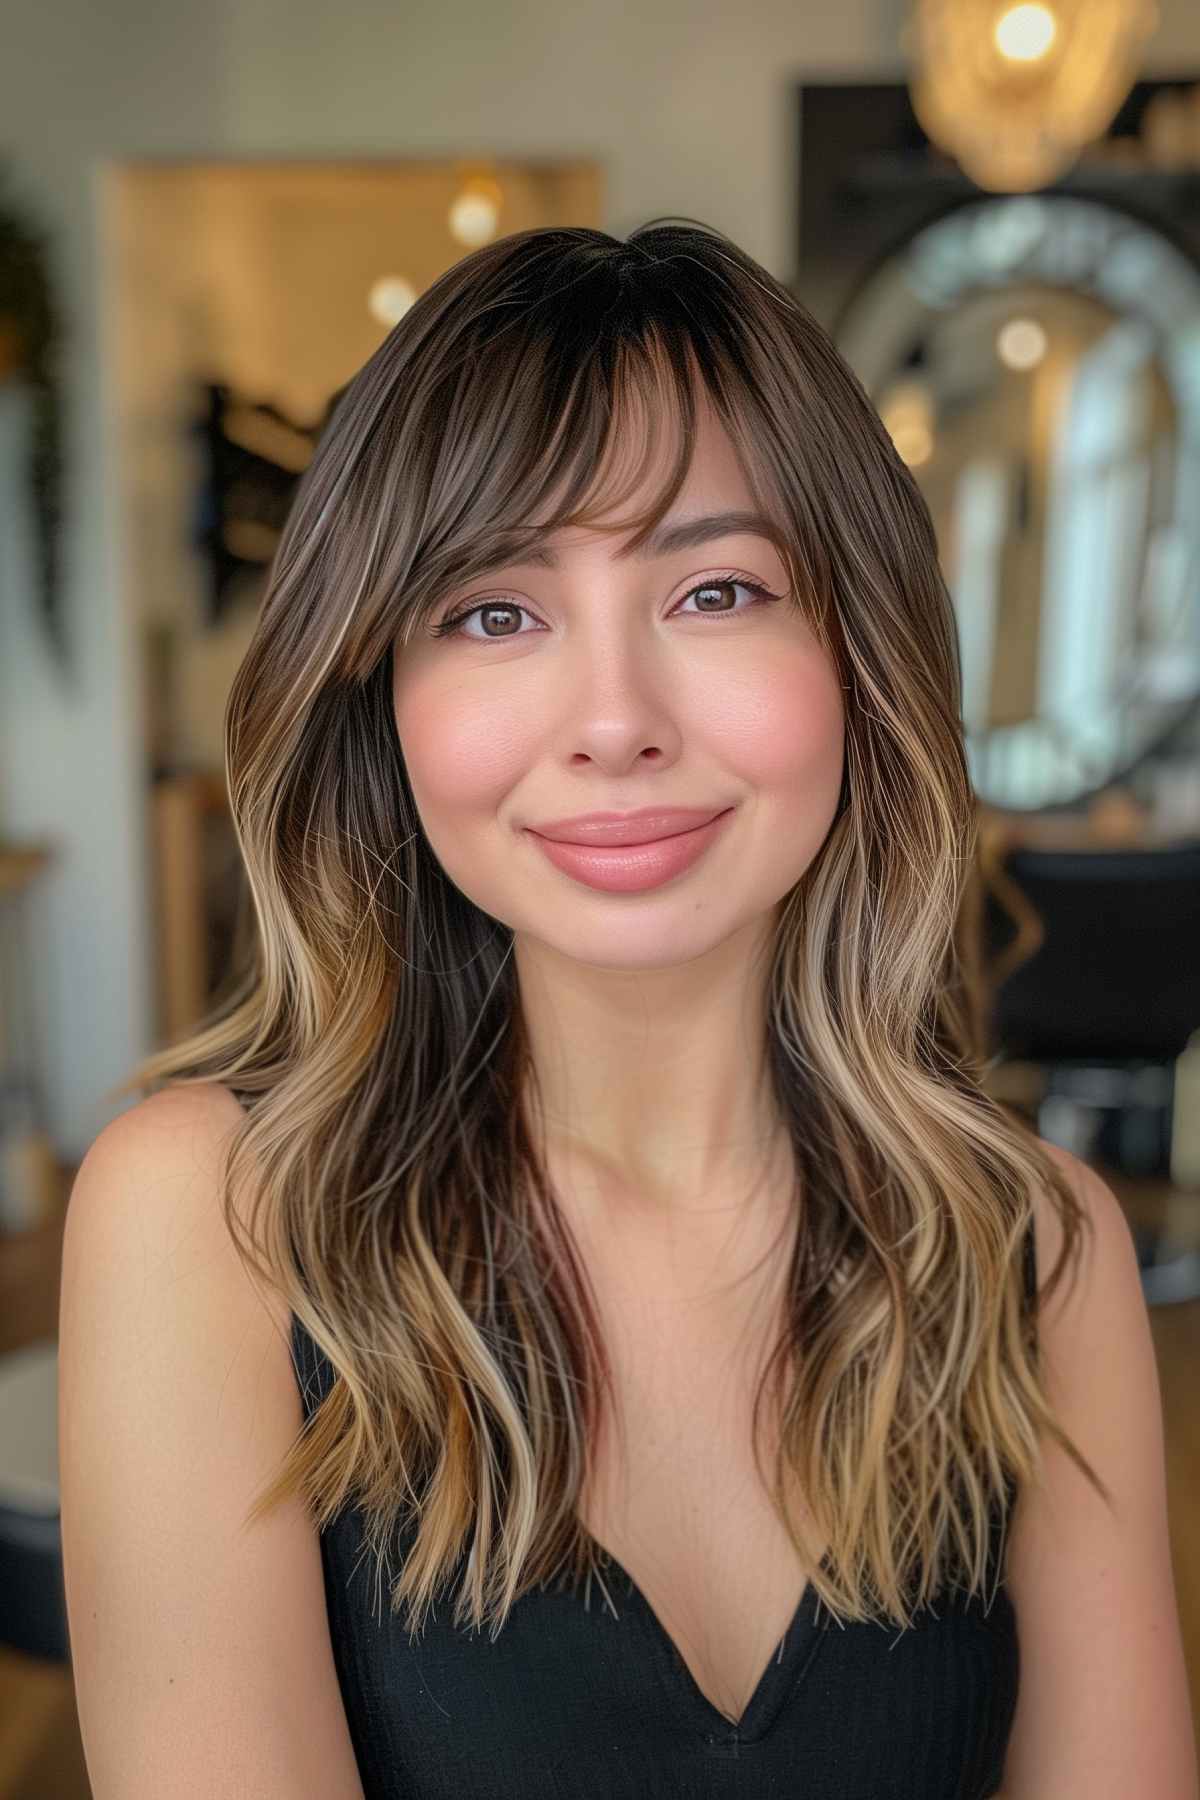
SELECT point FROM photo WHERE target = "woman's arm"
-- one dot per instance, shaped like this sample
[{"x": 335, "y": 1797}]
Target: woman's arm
[
  {"x": 1104, "y": 1708},
  {"x": 200, "y": 1649}
]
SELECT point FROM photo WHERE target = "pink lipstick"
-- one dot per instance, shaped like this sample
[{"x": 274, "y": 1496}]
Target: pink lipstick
[{"x": 632, "y": 868}]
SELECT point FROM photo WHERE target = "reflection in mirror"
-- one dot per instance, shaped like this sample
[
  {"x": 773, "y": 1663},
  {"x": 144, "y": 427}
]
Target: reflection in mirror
[{"x": 1037, "y": 362}]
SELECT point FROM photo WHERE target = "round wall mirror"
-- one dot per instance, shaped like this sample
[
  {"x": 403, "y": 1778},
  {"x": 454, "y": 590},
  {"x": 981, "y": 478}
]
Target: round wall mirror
[{"x": 1037, "y": 362}]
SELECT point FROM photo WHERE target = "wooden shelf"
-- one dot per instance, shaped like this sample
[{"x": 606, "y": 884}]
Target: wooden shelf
[
  {"x": 30, "y": 1275},
  {"x": 21, "y": 863}
]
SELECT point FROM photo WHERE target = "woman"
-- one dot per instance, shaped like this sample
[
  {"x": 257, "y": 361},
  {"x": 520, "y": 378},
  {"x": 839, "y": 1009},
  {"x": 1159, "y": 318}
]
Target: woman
[{"x": 599, "y": 1128}]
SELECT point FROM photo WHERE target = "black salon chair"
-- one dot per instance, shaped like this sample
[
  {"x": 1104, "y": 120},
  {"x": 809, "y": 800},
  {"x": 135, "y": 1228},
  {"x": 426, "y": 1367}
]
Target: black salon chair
[
  {"x": 33, "y": 1616},
  {"x": 1097, "y": 982}
]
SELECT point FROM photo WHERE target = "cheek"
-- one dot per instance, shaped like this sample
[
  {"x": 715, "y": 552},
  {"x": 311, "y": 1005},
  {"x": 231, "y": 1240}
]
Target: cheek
[
  {"x": 782, "y": 730},
  {"x": 460, "y": 758}
]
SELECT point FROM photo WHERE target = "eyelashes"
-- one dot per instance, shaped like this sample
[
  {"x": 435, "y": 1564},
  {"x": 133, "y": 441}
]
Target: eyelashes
[{"x": 453, "y": 626}]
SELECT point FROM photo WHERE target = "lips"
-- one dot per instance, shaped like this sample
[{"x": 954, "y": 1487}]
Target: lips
[
  {"x": 633, "y": 868},
  {"x": 646, "y": 826}
]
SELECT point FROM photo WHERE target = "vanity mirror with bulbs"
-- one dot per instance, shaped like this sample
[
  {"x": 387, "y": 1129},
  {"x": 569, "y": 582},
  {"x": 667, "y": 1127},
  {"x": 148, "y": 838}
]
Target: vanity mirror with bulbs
[
  {"x": 1036, "y": 359},
  {"x": 1035, "y": 356}
]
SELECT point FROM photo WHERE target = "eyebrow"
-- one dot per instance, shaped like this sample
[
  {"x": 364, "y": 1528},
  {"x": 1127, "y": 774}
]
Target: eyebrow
[{"x": 684, "y": 534}]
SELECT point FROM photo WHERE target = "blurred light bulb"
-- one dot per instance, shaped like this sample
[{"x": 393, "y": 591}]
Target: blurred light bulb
[
  {"x": 908, "y": 415},
  {"x": 390, "y": 298},
  {"x": 1025, "y": 33},
  {"x": 914, "y": 444},
  {"x": 474, "y": 213},
  {"x": 1021, "y": 344}
]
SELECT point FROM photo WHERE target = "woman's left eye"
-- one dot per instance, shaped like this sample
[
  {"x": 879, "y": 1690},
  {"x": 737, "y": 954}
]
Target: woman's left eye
[{"x": 501, "y": 603}]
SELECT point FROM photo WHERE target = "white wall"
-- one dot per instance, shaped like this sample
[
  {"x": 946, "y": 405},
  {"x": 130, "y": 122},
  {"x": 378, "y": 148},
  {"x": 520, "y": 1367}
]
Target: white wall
[{"x": 690, "y": 107}]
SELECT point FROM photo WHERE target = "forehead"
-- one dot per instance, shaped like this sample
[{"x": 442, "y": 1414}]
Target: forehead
[
  {"x": 682, "y": 530},
  {"x": 715, "y": 499},
  {"x": 645, "y": 443}
]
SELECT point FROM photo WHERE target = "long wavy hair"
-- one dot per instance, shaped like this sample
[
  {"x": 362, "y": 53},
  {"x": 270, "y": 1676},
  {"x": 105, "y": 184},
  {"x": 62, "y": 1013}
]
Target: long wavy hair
[{"x": 385, "y": 1178}]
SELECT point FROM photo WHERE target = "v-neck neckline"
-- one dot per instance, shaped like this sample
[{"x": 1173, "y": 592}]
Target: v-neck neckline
[{"x": 787, "y": 1663}]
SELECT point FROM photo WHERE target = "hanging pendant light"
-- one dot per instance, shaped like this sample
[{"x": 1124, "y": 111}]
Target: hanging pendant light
[{"x": 1014, "y": 92}]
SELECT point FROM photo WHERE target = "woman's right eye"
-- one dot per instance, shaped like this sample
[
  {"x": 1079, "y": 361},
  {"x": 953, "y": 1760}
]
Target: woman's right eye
[{"x": 450, "y": 626}]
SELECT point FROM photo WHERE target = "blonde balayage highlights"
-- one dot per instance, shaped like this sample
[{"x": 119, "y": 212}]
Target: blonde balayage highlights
[{"x": 388, "y": 1178}]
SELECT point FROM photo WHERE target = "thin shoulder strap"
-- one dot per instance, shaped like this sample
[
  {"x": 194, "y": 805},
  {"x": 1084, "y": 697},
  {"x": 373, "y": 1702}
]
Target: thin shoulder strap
[
  {"x": 1031, "y": 1282},
  {"x": 1029, "y": 1268},
  {"x": 314, "y": 1371}
]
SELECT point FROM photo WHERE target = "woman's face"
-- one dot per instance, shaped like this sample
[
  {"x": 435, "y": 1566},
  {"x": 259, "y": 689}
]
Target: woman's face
[{"x": 603, "y": 684}]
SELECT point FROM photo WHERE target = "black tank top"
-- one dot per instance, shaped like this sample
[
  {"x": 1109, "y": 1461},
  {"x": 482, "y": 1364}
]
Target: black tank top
[{"x": 585, "y": 1697}]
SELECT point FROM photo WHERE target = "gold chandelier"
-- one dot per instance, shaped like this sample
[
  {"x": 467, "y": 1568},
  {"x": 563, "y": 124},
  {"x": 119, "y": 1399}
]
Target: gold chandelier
[{"x": 1014, "y": 91}]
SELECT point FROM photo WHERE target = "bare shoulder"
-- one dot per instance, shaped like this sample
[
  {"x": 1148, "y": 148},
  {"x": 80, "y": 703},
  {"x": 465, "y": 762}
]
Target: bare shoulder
[
  {"x": 205, "y": 1109},
  {"x": 173, "y": 1131},
  {"x": 199, "y": 1643},
  {"x": 1106, "y": 1244},
  {"x": 1104, "y": 1705},
  {"x": 150, "y": 1181}
]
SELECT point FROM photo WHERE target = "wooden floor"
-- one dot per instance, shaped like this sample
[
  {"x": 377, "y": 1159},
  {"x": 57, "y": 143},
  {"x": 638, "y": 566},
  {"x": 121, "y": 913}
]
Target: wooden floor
[{"x": 41, "y": 1757}]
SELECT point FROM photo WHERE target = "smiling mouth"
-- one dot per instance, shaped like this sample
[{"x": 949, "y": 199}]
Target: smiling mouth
[
  {"x": 651, "y": 826},
  {"x": 633, "y": 868}
]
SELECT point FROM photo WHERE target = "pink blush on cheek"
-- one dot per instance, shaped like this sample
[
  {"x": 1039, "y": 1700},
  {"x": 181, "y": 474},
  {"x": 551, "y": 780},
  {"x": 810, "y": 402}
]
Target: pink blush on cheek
[
  {"x": 786, "y": 725},
  {"x": 774, "y": 725},
  {"x": 462, "y": 761}
]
